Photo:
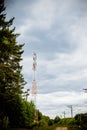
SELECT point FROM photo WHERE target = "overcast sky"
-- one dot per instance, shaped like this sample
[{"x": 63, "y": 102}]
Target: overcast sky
[{"x": 57, "y": 31}]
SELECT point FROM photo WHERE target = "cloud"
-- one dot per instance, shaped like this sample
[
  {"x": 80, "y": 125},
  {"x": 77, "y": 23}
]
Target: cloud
[{"x": 58, "y": 102}]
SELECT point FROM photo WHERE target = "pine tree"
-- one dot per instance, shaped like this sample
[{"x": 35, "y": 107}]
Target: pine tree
[{"x": 11, "y": 78}]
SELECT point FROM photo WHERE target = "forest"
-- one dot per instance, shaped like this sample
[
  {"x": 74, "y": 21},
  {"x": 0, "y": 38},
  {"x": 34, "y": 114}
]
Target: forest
[{"x": 15, "y": 111}]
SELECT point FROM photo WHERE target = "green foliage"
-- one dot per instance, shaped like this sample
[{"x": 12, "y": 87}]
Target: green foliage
[
  {"x": 11, "y": 78},
  {"x": 56, "y": 119},
  {"x": 64, "y": 122},
  {"x": 29, "y": 113},
  {"x": 51, "y": 122},
  {"x": 81, "y": 120},
  {"x": 21, "y": 113},
  {"x": 16, "y": 115},
  {"x": 44, "y": 120},
  {"x": 39, "y": 115},
  {"x": 43, "y": 123},
  {"x": 4, "y": 23}
]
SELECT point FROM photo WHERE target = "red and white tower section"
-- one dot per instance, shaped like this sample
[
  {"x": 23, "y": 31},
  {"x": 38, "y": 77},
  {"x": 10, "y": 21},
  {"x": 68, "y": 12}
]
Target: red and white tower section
[{"x": 34, "y": 85}]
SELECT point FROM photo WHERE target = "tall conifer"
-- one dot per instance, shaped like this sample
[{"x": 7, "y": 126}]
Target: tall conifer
[{"x": 11, "y": 78}]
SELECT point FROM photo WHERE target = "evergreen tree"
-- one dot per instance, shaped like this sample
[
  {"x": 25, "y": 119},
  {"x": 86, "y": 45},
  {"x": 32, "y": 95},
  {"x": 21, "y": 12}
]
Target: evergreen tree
[{"x": 11, "y": 78}]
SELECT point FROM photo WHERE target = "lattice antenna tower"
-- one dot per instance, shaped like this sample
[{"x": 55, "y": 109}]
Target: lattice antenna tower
[{"x": 34, "y": 85}]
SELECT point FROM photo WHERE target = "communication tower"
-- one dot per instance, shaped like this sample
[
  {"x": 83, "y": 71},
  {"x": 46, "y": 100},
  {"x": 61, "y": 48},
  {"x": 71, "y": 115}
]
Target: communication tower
[{"x": 34, "y": 85}]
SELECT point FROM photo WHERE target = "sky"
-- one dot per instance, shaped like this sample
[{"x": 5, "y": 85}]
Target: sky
[{"x": 56, "y": 30}]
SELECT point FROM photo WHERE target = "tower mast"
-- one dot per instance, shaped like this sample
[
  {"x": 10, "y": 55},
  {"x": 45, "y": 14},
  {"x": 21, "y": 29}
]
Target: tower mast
[{"x": 34, "y": 86}]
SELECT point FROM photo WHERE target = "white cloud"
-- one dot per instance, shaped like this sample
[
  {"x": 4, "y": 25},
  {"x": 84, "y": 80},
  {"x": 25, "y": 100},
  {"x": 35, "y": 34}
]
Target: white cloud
[
  {"x": 43, "y": 14},
  {"x": 56, "y": 100}
]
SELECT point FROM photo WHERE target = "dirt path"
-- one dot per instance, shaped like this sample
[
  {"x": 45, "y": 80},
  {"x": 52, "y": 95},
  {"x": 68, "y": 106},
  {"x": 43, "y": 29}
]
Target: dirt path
[{"x": 61, "y": 128}]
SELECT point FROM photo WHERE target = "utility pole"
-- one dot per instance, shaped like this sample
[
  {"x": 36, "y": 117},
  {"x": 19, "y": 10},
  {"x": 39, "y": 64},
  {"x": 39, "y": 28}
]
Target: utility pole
[
  {"x": 64, "y": 114},
  {"x": 71, "y": 108}
]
